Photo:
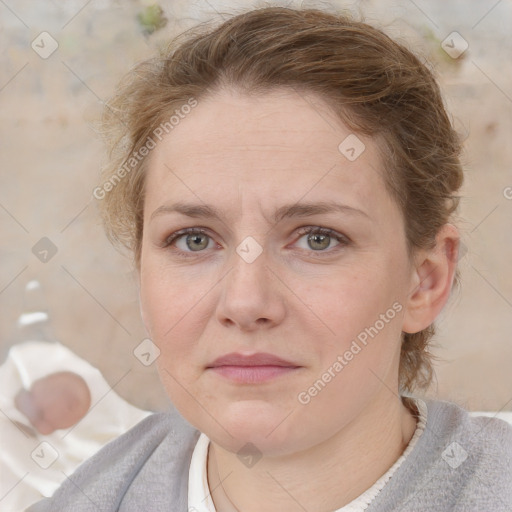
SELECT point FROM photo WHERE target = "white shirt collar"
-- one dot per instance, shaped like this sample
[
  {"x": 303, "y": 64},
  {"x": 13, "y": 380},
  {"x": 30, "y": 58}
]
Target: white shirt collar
[{"x": 199, "y": 498}]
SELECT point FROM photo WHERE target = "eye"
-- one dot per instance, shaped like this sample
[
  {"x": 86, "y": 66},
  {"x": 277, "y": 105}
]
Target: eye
[
  {"x": 196, "y": 240},
  {"x": 319, "y": 239},
  {"x": 191, "y": 240}
]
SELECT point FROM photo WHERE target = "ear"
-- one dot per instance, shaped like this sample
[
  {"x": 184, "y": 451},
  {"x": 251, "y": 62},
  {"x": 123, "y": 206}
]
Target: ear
[{"x": 432, "y": 280}]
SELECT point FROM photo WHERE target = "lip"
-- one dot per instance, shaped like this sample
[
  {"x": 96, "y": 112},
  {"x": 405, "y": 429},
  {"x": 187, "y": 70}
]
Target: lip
[
  {"x": 251, "y": 369},
  {"x": 258, "y": 359}
]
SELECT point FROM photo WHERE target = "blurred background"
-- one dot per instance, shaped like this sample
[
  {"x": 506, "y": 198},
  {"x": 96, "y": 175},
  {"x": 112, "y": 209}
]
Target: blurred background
[{"x": 61, "y": 60}]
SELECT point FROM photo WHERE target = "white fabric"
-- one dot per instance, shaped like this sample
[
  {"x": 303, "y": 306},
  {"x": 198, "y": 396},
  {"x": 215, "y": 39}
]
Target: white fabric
[
  {"x": 199, "y": 498},
  {"x": 23, "y": 477}
]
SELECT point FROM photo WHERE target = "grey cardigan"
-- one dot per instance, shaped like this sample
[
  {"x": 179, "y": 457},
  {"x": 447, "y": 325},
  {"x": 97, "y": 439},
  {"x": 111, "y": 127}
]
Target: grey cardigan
[{"x": 460, "y": 463}]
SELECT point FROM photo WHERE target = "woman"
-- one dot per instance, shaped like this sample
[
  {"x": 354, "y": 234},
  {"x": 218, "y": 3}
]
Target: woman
[{"x": 286, "y": 183}]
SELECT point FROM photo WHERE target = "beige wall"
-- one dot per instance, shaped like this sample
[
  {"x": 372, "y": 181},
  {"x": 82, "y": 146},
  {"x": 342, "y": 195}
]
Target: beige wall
[{"x": 50, "y": 155}]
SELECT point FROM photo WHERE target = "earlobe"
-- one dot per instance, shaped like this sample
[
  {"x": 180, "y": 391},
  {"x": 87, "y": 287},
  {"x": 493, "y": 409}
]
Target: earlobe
[{"x": 432, "y": 280}]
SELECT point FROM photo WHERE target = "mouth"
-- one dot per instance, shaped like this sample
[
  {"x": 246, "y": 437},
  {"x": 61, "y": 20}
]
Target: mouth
[{"x": 251, "y": 369}]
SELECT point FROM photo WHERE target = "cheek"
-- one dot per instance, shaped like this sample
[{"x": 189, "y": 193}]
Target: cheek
[
  {"x": 348, "y": 300},
  {"x": 172, "y": 307},
  {"x": 363, "y": 312},
  {"x": 162, "y": 299}
]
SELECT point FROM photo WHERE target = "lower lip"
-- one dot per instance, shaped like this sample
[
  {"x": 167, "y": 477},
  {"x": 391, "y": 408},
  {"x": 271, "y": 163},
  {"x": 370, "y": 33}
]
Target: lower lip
[{"x": 253, "y": 374}]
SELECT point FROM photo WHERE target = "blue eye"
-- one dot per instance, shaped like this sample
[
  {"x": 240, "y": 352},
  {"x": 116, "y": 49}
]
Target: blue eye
[{"x": 196, "y": 240}]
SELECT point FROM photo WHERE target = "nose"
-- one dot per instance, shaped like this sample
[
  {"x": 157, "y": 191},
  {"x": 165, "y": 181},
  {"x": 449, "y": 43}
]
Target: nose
[{"x": 251, "y": 297}]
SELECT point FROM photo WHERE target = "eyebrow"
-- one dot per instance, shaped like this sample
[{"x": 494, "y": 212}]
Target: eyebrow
[{"x": 286, "y": 211}]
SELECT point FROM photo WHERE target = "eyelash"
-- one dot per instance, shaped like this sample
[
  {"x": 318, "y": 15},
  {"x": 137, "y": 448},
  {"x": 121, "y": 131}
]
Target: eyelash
[{"x": 317, "y": 230}]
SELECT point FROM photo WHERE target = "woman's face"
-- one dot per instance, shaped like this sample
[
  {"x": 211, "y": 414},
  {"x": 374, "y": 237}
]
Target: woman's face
[{"x": 252, "y": 282}]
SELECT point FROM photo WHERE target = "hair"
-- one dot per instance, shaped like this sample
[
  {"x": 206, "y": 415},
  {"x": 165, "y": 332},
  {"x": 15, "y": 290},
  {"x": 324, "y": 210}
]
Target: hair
[{"x": 375, "y": 85}]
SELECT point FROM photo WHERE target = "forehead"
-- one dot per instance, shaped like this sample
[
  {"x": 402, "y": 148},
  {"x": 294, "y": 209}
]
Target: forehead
[{"x": 274, "y": 147}]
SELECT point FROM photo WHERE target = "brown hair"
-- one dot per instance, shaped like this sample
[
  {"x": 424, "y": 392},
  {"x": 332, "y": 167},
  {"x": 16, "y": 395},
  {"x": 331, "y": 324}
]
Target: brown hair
[{"x": 375, "y": 85}]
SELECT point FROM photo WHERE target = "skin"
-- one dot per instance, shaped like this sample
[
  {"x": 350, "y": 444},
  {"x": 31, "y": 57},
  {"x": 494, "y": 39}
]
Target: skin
[
  {"x": 248, "y": 156},
  {"x": 57, "y": 401}
]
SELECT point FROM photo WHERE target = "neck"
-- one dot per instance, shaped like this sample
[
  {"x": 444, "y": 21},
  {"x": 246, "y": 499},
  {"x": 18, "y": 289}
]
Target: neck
[{"x": 324, "y": 477}]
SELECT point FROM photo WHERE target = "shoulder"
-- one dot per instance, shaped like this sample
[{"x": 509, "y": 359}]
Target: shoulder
[
  {"x": 483, "y": 438},
  {"x": 475, "y": 457},
  {"x": 131, "y": 464},
  {"x": 460, "y": 463}
]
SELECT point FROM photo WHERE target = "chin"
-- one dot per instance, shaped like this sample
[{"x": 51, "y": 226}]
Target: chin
[{"x": 266, "y": 426}]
